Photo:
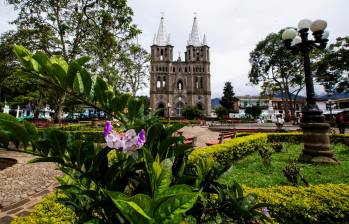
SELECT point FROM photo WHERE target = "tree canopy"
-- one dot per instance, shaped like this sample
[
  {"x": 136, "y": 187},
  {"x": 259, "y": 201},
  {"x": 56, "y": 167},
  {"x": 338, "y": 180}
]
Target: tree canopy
[
  {"x": 254, "y": 111},
  {"x": 276, "y": 69},
  {"x": 332, "y": 70},
  {"x": 228, "y": 97}
]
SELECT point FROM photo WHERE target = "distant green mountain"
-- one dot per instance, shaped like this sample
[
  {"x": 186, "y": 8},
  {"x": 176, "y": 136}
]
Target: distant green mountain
[{"x": 215, "y": 102}]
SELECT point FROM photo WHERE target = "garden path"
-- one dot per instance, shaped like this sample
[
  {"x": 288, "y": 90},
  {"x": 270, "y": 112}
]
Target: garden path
[
  {"x": 202, "y": 133},
  {"x": 23, "y": 185}
]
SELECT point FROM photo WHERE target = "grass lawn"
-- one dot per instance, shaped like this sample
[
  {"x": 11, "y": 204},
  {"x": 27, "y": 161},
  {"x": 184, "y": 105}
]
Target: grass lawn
[{"x": 251, "y": 172}]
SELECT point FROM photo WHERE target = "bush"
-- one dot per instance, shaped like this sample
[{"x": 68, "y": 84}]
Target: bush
[
  {"x": 232, "y": 149},
  {"x": 324, "y": 203},
  {"x": 48, "y": 211},
  {"x": 192, "y": 112},
  {"x": 247, "y": 143}
]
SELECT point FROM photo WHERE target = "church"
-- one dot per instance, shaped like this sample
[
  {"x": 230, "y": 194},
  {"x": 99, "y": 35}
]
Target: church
[{"x": 176, "y": 84}]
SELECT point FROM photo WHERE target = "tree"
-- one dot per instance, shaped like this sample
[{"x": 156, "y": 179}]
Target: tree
[
  {"x": 102, "y": 29},
  {"x": 332, "y": 70},
  {"x": 221, "y": 112},
  {"x": 192, "y": 112},
  {"x": 228, "y": 98},
  {"x": 277, "y": 69},
  {"x": 135, "y": 69},
  {"x": 254, "y": 111}
]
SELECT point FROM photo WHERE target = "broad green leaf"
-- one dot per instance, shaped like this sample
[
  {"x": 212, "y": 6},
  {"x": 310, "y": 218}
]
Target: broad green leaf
[
  {"x": 86, "y": 80},
  {"x": 15, "y": 130},
  {"x": 172, "y": 209},
  {"x": 164, "y": 179},
  {"x": 174, "y": 190},
  {"x": 42, "y": 59},
  {"x": 59, "y": 75},
  {"x": 21, "y": 53},
  {"x": 127, "y": 204},
  {"x": 8, "y": 117},
  {"x": 31, "y": 129},
  {"x": 59, "y": 142},
  {"x": 4, "y": 139}
]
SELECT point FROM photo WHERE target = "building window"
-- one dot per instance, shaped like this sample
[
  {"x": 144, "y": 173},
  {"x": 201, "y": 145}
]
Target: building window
[
  {"x": 201, "y": 82},
  {"x": 164, "y": 82},
  {"x": 180, "y": 85},
  {"x": 162, "y": 52},
  {"x": 174, "y": 69},
  {"x": 196, "y": 82},
  {"x": 185, "y": 69},
  {"x": 158, "y": 82}
]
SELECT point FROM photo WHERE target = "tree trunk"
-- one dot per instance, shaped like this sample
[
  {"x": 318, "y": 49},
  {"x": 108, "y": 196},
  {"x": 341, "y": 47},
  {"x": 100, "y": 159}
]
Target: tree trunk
[{"x": 58, "y": 115}]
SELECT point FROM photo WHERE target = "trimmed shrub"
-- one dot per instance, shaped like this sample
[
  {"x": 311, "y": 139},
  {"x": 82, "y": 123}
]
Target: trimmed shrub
[
  {"x": 231, "y": 150},
  {"x": 291, "y": 137},
  {"x": 48, "y": 211},
  {"x": 324, "y": 203}
]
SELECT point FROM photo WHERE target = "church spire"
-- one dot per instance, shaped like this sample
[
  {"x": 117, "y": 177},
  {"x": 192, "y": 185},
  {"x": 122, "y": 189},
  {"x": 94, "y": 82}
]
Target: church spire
[
  {"x": 204, "y": 41},
  {"x": 162, "y": 38},
  {"x": 194, "y": 37}
]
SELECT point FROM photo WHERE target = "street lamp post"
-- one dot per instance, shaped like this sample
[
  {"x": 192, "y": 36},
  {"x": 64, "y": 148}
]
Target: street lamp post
[
  {"x": 315, "y": 130},
  {"x": 330, "y": 104}
]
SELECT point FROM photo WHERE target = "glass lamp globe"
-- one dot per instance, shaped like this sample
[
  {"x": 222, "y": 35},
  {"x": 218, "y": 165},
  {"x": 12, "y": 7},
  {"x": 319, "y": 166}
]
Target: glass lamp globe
[
  {"x": 318, "y": 25},
  {"x": 296, "y": 40},
  {"x": 325, "y": 35},
  {"x": 289, "y": 34},
  {"x": 304, "y": 24}
]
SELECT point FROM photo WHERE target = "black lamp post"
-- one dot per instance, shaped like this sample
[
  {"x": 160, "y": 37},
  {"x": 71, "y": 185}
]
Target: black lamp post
[{"x": 315, "y": 130}]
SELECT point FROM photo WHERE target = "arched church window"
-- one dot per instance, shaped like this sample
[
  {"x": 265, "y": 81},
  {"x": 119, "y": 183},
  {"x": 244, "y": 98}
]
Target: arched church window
[
  {"x": 162, "y": 52},
  {"x": 201, "y": 82},
  {"x": 174, "y": 69},
  {"x": 185, "y": 69},
  {"x": 158, "y": 82},
  {"x": 180, "y": 85},
  {"x": 164, "y": 82}
]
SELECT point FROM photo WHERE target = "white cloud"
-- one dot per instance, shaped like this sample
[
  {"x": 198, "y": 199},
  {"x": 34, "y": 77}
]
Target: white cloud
[{"x": 232, "y": 27}]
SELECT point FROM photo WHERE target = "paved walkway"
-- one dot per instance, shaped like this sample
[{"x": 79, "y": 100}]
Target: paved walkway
[{"x": 23, "y": 185}]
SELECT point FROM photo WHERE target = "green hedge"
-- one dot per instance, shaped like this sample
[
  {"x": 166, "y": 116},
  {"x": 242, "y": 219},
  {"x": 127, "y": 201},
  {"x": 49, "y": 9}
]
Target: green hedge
[
  {"x": 237, "y": 148},
  {"x": 48, "y": 211},
  {"x": 324, "y": 203},
  {"x": 230, "y": 150},
  {"x": 94, "y": 136}
]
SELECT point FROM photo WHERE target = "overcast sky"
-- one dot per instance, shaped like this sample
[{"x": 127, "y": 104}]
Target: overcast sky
[{"x": 232, "y": 28}]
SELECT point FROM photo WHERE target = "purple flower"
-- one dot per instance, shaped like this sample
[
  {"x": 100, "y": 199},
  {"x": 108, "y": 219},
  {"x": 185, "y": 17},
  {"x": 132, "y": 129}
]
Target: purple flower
[
  {"x": 126, "y": 142},
  {"x": 266, "y": 211},
  {"x": 141, "y": 138},
  {"x": 108, "y": 128}
]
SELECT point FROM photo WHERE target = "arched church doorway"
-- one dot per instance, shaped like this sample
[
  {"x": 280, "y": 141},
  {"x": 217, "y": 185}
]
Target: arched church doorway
[
  {"x": 199, "y": 106},
  {"x": 179, "y": 109},
  {"x": 161, "y": 108}
]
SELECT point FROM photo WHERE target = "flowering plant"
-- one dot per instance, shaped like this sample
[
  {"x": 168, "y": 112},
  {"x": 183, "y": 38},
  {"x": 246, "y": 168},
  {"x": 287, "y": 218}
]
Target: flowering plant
[{"x": 126, "y": 142}]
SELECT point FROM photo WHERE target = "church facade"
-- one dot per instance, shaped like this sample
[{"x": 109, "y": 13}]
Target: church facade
[{"x": 175, "y": 84}]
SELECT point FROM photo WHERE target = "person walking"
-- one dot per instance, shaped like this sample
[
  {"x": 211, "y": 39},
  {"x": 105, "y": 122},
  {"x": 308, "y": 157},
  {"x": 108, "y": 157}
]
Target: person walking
[{"x": 340, "y": 120}]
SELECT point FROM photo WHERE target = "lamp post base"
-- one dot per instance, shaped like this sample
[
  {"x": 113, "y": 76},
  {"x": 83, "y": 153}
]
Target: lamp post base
[{"x": 317, "y": 144}]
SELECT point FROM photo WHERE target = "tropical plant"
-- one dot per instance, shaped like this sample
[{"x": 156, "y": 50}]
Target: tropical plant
[
  {"x": 292, "y": 173},
  {"x": 135, "y": 178}
]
